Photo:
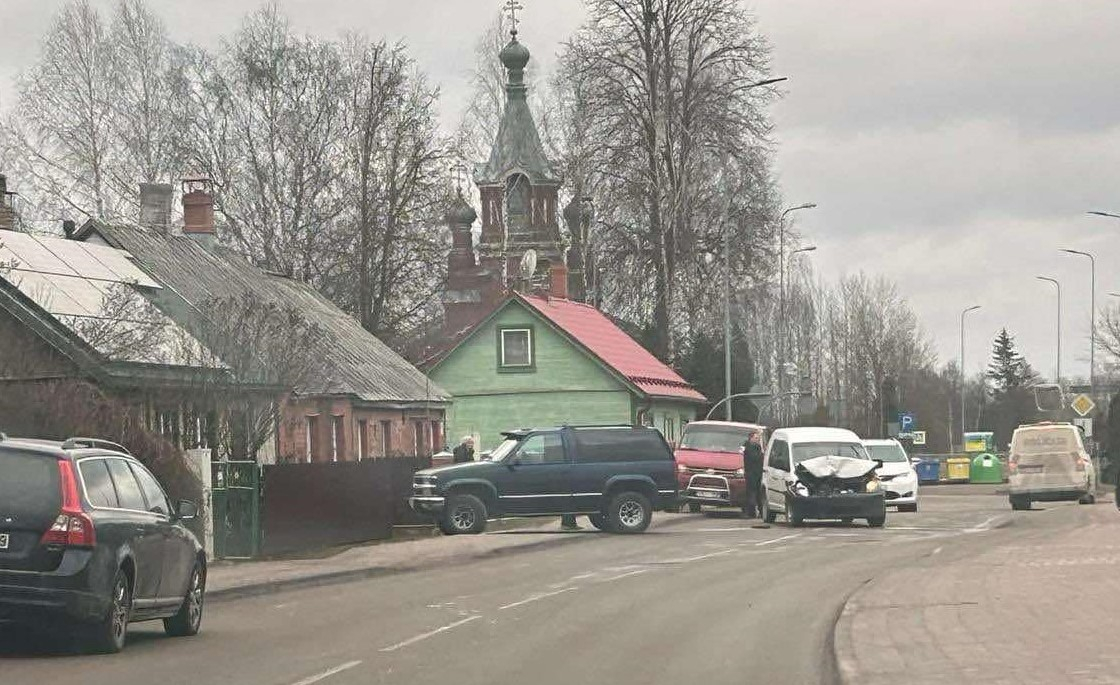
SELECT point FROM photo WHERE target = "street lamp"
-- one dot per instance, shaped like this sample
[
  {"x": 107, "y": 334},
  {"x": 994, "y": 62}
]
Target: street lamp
[
  {"x": 966, "y": 310},
  {"x": 782, "y": 285},
  {"x": 727, "y": 275},
  {"x": 1059, "y": 287},
  {"x": 1110, "y": 215},
  {"x": 1092, "y": 313}
]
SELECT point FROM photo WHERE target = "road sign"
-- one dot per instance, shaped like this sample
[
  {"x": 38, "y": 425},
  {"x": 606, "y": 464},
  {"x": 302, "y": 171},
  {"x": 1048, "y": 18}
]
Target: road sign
[
  {"x": 1083, "y": 404},
  {"x": 919, "y": 438},
  {"x": 1086, "y": 426},
  {"x": 906, "y": 422}
]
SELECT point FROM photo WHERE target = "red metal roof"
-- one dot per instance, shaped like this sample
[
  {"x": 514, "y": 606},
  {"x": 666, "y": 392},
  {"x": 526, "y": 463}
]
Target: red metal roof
[{"x": 603, "y": 338}]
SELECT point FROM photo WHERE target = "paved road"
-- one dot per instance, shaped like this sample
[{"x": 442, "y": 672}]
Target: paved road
[{"x": 710, "y": 600}]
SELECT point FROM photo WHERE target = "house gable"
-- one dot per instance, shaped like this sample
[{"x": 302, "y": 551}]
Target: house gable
[{"x": 558, "y": 364}]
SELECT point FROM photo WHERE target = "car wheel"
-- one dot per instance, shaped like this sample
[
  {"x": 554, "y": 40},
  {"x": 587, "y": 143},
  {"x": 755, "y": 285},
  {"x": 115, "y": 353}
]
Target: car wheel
[
  {"x": 189, "y": 619},
  {"x": 877, "y": 521},
  {"x": 847, "y": 520},
  {"x": 795, "y": 518},
  {"x": 1020, "y": 503},
  {"x": 464, "y": 514},
  {"x": 629, "y": 512},
  {"x": 108, "y": 635},
  {"x": 600, "y": 522},
  {"x": 768, "y": 515},
  {"x": 911, "y": 508},
  {"x": 694, "y": 508},
  {"x": 1089, "y": 498}
]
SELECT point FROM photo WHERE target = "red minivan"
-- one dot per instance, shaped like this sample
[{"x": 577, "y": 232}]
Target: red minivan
[{"x": 710, "y": 463}]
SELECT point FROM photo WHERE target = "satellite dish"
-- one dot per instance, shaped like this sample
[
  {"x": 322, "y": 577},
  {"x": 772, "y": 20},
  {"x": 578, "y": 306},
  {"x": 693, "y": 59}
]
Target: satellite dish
[{"x": 528, "y": 264}]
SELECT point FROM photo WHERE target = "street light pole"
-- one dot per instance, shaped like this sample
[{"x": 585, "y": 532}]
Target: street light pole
[
  {"x": 1059, "y": 287},
  {"x": 966, "y": 310},
  {"x": 727, "y": 277},
  {"x": 1092, "y": 315},
  {"x": 782, "y": 289}
]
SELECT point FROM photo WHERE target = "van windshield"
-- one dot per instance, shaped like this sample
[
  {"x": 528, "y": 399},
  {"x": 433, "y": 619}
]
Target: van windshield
[
  {"x": 714, "y": 438},
  {"x": 811, "y": 450}
]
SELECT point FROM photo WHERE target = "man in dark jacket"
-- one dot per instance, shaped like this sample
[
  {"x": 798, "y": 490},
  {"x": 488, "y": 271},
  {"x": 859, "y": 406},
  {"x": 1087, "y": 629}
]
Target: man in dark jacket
[
  {"x": 752, "y": 469},
  {"x": 464, "y": 451}
]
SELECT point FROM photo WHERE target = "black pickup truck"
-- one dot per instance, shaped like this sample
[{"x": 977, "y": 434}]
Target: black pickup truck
[{"x": 616, "y": 475}]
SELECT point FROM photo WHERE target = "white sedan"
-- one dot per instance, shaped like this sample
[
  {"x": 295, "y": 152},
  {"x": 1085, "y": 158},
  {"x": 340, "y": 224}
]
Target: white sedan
[{"x": 898, "y": 478}]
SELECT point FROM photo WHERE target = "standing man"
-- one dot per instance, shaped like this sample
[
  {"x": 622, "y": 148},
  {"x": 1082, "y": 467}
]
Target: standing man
[
  {"x": 752, "y": 470},
  {"x": 464, "y": 451}
]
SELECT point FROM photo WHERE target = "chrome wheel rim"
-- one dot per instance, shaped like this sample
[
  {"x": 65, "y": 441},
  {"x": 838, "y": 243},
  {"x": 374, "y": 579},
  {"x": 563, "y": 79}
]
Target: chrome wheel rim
[
  {"x": 194, "y": 600},
  {"x": 120, "y": 609},
  {"x": 630, "y": 513},
  {"x": 463, "y": 518}
]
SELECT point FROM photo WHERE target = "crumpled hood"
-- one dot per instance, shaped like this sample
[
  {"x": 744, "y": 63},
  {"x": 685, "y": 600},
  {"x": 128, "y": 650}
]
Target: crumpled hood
[
  {"x": 895, "y": 468},
  {"x": 843, "y": 468}
]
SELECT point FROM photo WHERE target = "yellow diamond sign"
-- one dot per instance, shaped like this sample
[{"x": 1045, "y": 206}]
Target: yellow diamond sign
[{"x": 1083, "y": 404}]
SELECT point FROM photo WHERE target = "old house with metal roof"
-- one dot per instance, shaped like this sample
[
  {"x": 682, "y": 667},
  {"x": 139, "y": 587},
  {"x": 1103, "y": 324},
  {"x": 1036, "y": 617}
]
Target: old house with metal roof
[{"x": 127, "y": 306}]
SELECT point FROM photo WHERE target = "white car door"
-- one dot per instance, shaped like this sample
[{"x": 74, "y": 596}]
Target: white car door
[{"x": 777, "y": 474}]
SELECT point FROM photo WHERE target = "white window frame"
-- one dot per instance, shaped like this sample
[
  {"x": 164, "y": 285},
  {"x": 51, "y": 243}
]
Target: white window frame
[
  {"x": 363, "y": 425},
  {"x": 308, "y": 424},
  {"x": 529, "y": 348},
  {"x": 336, "y": 426}
]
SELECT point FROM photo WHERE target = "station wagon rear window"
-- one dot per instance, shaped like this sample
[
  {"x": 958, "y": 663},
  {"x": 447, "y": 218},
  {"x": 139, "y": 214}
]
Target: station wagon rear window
[{"x": 28, "y": 485}]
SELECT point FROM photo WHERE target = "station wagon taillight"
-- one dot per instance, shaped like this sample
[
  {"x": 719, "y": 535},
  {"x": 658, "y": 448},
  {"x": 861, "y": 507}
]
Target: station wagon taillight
[{"x": 73, "y": 527}]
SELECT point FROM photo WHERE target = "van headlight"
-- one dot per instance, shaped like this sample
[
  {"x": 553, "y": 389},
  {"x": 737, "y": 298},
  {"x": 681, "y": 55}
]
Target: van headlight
[
  {"x": 798, "y": 488},
  {"x": 740, "y": 473},
  {"x": 873, "y": 485}
]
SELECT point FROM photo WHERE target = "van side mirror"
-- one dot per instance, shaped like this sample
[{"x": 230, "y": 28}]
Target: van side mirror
[{"x": 186, "y": 510}]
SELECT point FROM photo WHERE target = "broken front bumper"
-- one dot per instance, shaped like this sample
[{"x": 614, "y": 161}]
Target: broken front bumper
[{"x": 855, "y": 506}]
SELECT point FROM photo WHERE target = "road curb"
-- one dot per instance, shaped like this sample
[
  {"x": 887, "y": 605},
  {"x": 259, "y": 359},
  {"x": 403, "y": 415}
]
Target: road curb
[{"x": 366, "y": 573}]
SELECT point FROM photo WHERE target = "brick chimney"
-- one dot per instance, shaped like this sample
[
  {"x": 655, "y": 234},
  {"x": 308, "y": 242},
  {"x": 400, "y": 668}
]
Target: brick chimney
[
  {"x": 558, "y": 281},
  {"x": 198, "y": 209},
  {"x": 155, "y": 205},
  {"x": 7, "y": 206}
]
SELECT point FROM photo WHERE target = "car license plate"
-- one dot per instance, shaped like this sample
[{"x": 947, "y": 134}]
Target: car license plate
[
  {"x": 3, "y": 541},
  {"x": 1036, "y": 468},
  {"x": 707, "y": 495}
]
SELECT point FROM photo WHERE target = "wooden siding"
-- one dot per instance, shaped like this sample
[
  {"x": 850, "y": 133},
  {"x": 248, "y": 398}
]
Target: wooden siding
[{"x": 565, "y": 385}]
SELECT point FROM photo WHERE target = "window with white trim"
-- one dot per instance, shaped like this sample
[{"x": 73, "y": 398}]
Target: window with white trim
[{"x": 516, "y": 348}]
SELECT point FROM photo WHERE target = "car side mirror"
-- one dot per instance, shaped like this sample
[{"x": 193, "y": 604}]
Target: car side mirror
[
  {"x": 186, "y": 510},
  {"x": 878, "y": 463}
]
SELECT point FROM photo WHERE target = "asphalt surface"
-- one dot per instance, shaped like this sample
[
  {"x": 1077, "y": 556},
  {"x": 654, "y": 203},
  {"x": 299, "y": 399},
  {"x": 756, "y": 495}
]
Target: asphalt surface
[{"x": 714, "y": 599}]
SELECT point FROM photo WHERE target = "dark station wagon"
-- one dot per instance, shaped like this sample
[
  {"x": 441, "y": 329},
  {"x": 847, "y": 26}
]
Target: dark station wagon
[
  {"x": 616, "y": 475},
  {"x": 89, "y": 542}
]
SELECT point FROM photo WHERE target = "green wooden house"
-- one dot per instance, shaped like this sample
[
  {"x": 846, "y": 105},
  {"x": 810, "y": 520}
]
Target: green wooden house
[{"x": 538, "y": 361}]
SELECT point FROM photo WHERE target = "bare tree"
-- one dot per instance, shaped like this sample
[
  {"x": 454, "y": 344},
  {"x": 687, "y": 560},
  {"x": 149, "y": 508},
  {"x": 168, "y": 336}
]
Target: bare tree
[{"x": 675, "y": 129}]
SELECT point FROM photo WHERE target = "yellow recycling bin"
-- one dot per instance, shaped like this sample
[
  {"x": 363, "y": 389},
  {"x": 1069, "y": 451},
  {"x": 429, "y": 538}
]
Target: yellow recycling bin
[{"x": 957, "y": 468}]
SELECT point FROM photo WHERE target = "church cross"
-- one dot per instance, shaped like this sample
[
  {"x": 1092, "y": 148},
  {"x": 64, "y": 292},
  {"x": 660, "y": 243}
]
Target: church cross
[
  {"x": 512, "y": 6},
  {"x": 460, "y": 171}
]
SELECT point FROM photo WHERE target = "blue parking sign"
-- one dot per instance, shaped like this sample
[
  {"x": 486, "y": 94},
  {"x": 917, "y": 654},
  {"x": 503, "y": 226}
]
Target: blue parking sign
[{"x": 906, "y": 423}]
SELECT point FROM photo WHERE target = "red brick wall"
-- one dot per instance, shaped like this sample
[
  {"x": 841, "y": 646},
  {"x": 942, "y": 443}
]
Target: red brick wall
[{"x": 402, "y": 427}]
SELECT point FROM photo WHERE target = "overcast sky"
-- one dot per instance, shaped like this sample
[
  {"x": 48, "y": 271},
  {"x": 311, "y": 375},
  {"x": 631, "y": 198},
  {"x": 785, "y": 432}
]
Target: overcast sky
[{"x": 952, "y": 145}]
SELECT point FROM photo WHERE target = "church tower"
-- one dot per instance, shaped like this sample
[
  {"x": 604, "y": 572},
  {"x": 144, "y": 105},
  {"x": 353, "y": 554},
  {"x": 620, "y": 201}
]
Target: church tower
[
  {"x": 518, "y": 185},
  {"x": 518, "y": 189}
]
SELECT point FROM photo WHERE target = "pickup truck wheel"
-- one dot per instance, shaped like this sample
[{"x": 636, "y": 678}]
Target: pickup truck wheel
[
  {"x": 629, "y": 512},
  {"x": 1089, "y": 498},
  {"x": 694, "y": 508},
  {"x": 600, "y": 522},
  {"x": 464, "y": 514}
]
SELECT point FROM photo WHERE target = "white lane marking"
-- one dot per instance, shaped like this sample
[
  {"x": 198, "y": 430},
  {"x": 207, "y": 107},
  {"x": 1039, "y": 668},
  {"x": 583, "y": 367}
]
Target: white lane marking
[
  {"x": 723, "y": 530},
  {"x": 425, "y": 636},
  {"x": 625, "y": 575},
  {"x": 775, "y": 540},
  {"x": 937, "y": 551},
  {"x": 980, "y": 528},
  {"x": 329, "y": 672},
  {"x": 534, "y": 598},
  {"x": 687, "y": 560}
]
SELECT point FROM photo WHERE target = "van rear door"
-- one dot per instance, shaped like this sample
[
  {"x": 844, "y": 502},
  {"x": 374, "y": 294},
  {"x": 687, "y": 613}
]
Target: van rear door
[
  {"x": 1049, "y": 458},
  {"x": 30, "y": 499}
]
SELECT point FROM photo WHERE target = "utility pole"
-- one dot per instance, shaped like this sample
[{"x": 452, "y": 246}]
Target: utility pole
[{"x": 963, "y": 415}]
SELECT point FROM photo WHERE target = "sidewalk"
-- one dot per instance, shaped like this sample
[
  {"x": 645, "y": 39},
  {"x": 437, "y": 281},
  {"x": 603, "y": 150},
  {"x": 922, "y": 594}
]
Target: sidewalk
[
  {"x": 230, "y": 580},
  {"x": 1044, "y": 609}
]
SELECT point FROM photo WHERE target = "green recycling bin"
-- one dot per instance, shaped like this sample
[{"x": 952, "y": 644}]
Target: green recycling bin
[{"x": 985, "y": 468}]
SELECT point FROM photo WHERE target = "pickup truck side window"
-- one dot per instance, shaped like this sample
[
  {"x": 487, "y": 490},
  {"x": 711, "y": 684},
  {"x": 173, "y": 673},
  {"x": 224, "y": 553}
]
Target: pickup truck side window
[
  {"x": 543, "y": 448},
  {"x": 779, "y": 456}
]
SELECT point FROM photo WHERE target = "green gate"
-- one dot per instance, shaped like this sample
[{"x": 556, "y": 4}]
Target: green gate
[{"x": 237, "y": 504}]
